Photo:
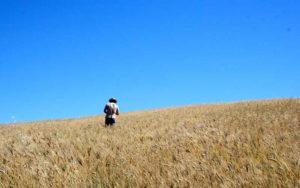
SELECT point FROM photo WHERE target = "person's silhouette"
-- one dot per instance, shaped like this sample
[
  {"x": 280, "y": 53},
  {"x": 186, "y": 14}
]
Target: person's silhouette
[{"x": 111, "y": 109}]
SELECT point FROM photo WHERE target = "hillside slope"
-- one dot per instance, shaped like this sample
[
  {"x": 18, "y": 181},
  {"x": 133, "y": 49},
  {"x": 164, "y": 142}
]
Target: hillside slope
[{"x": 250, "y": 144}]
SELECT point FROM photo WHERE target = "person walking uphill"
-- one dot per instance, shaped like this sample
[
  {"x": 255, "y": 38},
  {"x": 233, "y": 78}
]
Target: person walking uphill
[{"x": 111, "y": 109}]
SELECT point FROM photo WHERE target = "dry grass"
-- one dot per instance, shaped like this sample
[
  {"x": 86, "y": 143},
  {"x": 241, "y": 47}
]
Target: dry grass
[{"x": 248, "y": 144}]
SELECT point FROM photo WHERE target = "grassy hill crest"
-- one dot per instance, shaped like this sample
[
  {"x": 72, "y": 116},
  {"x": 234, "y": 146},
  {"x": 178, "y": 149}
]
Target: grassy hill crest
[{"x": 250, "y": 144}]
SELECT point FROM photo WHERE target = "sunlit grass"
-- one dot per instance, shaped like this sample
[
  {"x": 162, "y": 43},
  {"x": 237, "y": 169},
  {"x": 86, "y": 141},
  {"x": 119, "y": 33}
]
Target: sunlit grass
[{"x": 248, "y": 144}]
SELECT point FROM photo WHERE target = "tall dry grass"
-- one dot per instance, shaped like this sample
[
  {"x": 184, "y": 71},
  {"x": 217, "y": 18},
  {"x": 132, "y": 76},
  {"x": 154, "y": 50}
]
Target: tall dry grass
[{"x": 248, "y": 144}]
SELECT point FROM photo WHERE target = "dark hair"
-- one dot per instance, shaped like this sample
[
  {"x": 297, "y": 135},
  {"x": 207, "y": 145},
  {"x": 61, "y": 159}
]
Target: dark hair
[{"x": 113, "y": 100}]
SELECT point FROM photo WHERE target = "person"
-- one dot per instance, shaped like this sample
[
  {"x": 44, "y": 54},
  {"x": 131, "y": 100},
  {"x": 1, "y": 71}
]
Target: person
[{"x": 111, "y": 109}]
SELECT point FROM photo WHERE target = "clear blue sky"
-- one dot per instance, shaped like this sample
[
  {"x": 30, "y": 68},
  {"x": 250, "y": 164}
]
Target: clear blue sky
[{"x": 65, "y": 58}]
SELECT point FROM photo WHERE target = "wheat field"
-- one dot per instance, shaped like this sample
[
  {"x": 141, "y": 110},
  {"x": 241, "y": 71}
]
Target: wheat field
[{"x": 245, "y": 144}]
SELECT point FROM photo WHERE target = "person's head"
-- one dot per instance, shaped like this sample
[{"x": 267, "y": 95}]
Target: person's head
[{"x": 113, "y": 100}]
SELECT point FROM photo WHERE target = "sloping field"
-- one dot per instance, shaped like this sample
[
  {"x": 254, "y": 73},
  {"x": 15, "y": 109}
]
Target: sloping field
[{"x": 247, "y": 144}]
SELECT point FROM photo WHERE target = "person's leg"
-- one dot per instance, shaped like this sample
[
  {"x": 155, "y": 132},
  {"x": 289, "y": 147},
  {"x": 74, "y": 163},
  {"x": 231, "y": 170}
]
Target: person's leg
[
  {"x": 112, "y": 121},
  {"x": 106, "y": 122}
]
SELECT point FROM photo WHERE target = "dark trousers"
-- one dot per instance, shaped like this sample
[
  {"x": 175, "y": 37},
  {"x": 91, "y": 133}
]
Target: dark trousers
[{"x": 110, "y": 121}]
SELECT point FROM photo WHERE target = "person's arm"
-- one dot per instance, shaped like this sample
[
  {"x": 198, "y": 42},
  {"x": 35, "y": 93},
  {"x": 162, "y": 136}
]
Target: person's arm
[
  {"x": 105, "y": 109},
  {"x": 117, "y": 112}
]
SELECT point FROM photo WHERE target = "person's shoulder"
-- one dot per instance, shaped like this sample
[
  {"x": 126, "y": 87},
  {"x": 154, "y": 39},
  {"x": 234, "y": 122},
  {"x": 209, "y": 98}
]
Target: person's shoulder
[{"x": 115, "y": 105}]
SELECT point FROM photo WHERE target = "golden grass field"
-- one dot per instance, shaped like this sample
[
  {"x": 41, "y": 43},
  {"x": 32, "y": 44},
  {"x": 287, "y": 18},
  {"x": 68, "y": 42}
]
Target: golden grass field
[{"x": 246, "y": 144}]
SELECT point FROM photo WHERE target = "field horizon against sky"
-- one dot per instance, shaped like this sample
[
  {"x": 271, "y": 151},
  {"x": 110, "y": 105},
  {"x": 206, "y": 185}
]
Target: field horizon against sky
[
  {"x": 243, "y": 144},
  {"x": 65, "y": 59}
]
